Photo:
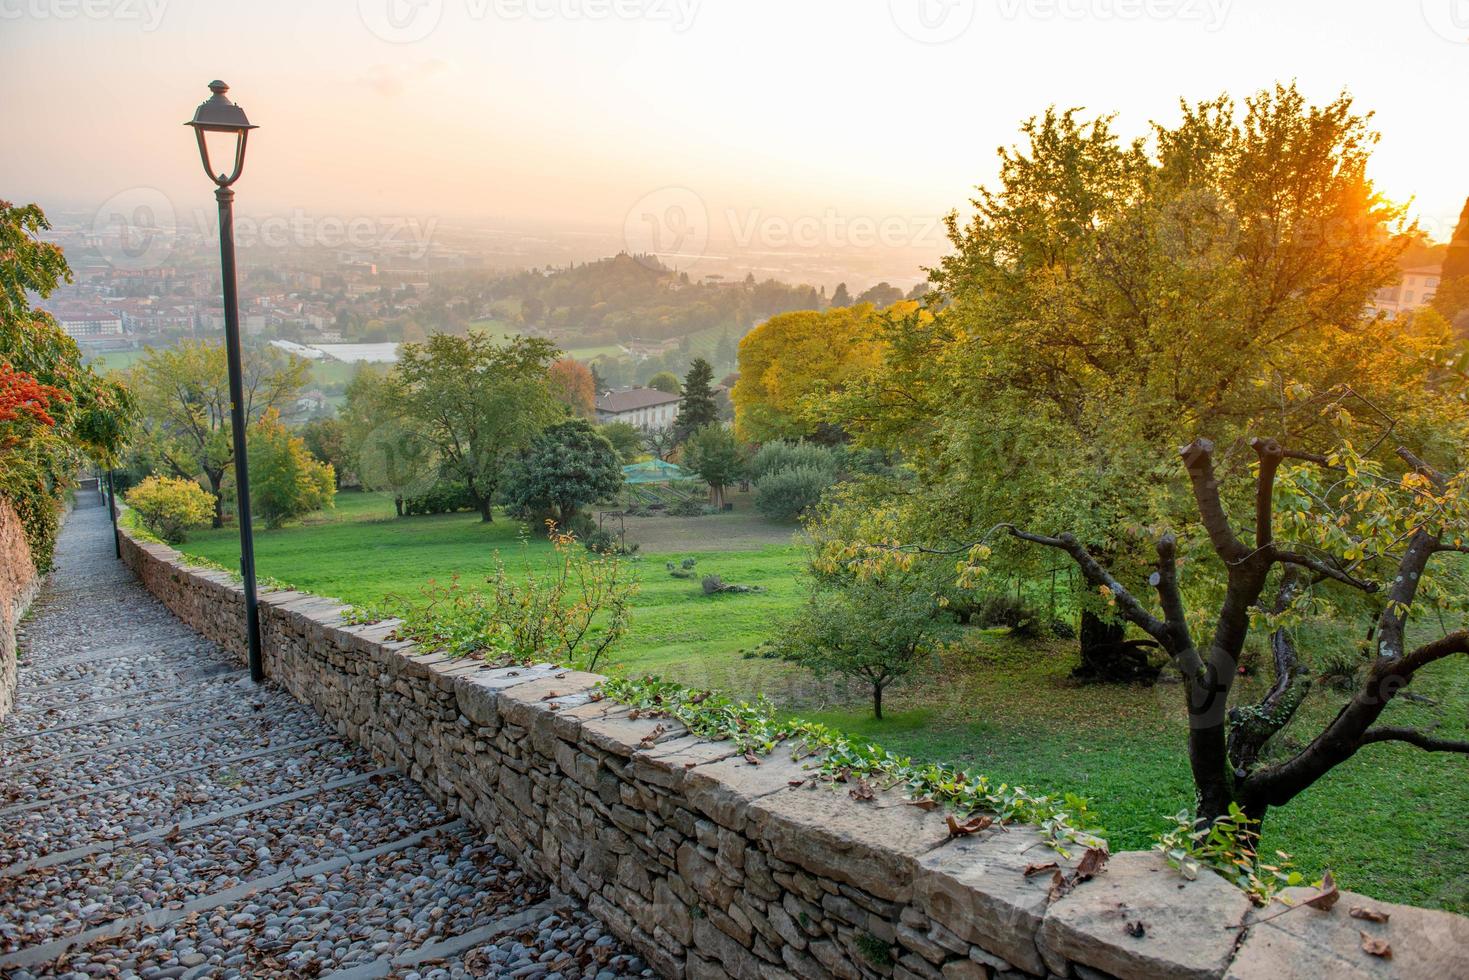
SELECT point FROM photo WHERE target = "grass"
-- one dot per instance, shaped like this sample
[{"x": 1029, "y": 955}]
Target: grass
[{"x": 1388, "y": 823}]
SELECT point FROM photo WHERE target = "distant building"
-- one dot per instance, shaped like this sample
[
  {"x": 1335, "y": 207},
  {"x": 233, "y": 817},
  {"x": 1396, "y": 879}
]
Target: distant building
[
  {"x": 90, "y": 325},
  {"x": 1415, "y": 291},
  {"x": 646, "y": 408}
]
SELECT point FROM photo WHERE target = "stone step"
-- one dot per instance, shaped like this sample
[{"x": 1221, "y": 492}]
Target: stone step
[{"x": 49, "y": 903}]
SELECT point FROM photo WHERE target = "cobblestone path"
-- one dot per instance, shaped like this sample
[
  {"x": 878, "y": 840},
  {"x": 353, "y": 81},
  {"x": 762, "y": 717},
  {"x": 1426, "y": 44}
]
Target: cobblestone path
[{"x": 161, "y": 816}]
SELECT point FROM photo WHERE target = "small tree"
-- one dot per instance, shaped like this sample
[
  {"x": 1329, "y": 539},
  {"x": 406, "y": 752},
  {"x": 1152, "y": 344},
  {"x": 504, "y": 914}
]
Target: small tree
[
  {"x": 665, "y": 381},
  {"x": 697, "y": 407},
  {"x": 787, "y": 494},
  {"x": 286, "y": 481},
  {"x": 880, "y": 630},
  {"x": 567, "y": 466},
  {"x": 574, "y": 386},
  {"x": 326, "y": 439},
  {"x": 170, "y": 507},
  {"x": 714, "y": 454},
  {"x": 625, "y": 437}
]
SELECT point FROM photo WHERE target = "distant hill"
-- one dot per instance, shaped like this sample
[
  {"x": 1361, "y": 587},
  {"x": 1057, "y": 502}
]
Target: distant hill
[{"x": 636, "y": 298}]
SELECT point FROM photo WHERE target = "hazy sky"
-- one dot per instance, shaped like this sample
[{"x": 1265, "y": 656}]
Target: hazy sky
[{"x": 591, "y": 112}]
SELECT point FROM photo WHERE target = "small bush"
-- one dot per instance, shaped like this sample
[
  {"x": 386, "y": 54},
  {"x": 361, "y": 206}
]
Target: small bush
[
  {"x": 787, "y": 494},
  {"x": 777, "y": 457},
  {"x": 171, "y": 507},
  {"x": 603, "y": 542},
  {"x": 445, "y": 497},
  {"x": 684, "y": 569},
  {"x": 1339, "y": 668},
  {"x": 691, "y": 507},
  {"x": 1004, "y": 609}
]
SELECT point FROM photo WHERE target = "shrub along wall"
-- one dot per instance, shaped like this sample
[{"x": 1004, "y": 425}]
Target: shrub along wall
[
  {"x": 19, "y": 583},
  {"x": 712, "y": 866}
]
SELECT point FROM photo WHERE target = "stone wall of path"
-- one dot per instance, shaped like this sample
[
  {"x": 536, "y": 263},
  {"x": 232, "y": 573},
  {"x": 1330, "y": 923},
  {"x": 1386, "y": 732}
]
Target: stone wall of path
[
  {"x": 19, "y": 584},
  {"x": 711, "y": 867}
]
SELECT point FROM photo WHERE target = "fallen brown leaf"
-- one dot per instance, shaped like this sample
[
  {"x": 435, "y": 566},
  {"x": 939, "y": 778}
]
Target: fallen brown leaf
[
  {"x": 1326, "y": 896},
  {"x": 1094, "y": 860},
  {"x": 1060, "y": 885},
  {"x": 1375, "y": 946},
  {"x": 1371, "y": 915},
  {"x": 862, "y": 791},
  {"x": 924, "y": 804},
  {"x": 752, "y": 758},
  {"x": 1035, "y": 869},
  {"x": 971, "y": 826}
]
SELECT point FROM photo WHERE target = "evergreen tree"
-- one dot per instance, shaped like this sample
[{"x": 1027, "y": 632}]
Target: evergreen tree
[
  {"x": 697, "y": 407},
  {"x": 841, "y": 297}
]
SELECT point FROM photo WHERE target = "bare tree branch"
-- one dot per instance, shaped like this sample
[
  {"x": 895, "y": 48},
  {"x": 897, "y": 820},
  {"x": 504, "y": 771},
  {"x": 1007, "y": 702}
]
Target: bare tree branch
[
  {"x": 1198, "y": 457},
  {"x": 1092, "y": 570},
  {"x": 1414, "y": 737},
  {"x": 1324, "y": 570},
  {"x": 1270, "y": 455}
]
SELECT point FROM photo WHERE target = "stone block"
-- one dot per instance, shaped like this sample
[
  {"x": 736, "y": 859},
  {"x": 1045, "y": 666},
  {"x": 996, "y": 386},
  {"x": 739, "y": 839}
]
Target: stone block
[
  {"x": 976, "y": 888},
  {"x": 724, "y": 790},
  {"x": 871, "y": 845},
  {"x": 1189, "y": 928},
  {"x": 1304, "y": 944}
]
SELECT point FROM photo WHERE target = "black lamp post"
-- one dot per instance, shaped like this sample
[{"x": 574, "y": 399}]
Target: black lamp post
[
  {"x": 112, "y": 513},
  {"x": 217, "y": 114}
]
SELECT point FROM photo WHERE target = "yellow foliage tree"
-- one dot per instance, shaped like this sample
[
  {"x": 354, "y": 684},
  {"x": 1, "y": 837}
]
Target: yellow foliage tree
[{"x": 793, "y": 360}]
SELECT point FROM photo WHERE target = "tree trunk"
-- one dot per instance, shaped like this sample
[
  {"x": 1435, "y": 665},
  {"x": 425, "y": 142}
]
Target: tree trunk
[
  {"x": 1108, "y": 657},
  {"x": 486, "y": 510},
  {"x": 877, "y": 701},
  {"x": 398, "y": 503},
  {"x": 214, "y": 483},
  {"x": 716, "y": 495}
]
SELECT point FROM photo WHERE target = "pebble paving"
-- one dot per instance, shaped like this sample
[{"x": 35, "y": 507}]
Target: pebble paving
[{"x": 161, "y": 816}]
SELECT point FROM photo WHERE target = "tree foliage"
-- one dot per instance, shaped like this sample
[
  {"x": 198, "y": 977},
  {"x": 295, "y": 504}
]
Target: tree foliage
[
  {"x": 286, "y": 481},
  {"x": 879, "y": 629},
  {"x": 566, "y": 467},
  {"x": 791, "y": 362},
  {"x": 171, "y": 507},
  {"x": 477, "y": 403},
  {"x": 183, "y": 394},
  {"x": 715, "y": 455},
  {"x": 696, "y": 407},
  {"x": 56, "y": 410},
  {"x": 571, "y": 382}
]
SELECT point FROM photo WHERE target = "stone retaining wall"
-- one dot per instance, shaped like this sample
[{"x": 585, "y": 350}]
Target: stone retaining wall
[
  {"x": 19, "y": 584},
  {"x": 712, "y": 867}
]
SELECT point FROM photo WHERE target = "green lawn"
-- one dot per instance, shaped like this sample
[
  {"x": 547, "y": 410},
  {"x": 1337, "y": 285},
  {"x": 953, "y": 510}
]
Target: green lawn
[{"x": 1389, "y": 823}]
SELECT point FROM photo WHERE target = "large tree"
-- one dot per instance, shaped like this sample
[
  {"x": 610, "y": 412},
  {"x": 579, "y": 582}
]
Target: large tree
[
  {"x": 478, "y": 402},
  {"x": 696, "y": 406},
  {"x": 1109, "y": 299},
  {"x": 1350, "y": 524},
  {"x": 791, "y": 361},
  {"x": 184, "y": 395}
]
